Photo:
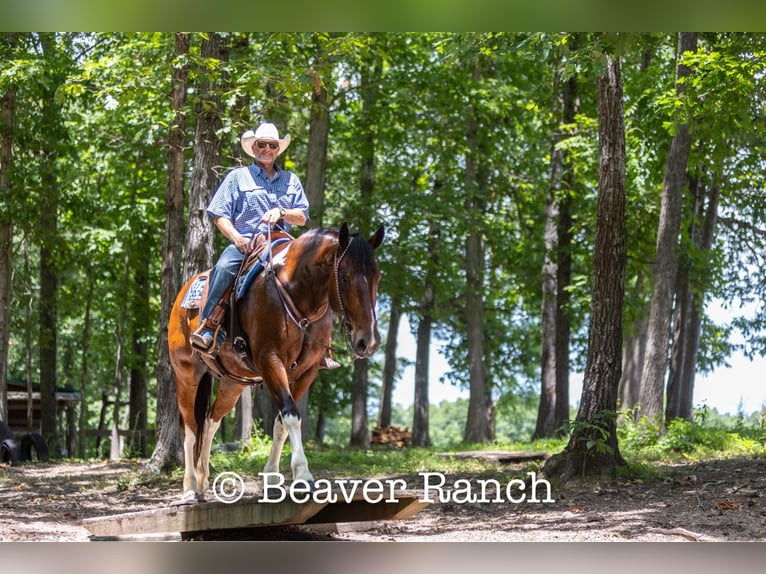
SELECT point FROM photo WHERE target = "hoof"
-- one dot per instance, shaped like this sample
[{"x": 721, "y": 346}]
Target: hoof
[{"x": 188, "y": 497}]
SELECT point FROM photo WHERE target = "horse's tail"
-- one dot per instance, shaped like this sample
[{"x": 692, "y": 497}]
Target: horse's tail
[{"x": 201, "y": 402}]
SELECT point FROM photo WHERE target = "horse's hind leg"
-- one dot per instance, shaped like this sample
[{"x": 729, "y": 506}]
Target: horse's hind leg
[
  {"x": 186, "y": 391},
  {"x": 279, "y": 436},
  {"x": 226, "y": 398}
]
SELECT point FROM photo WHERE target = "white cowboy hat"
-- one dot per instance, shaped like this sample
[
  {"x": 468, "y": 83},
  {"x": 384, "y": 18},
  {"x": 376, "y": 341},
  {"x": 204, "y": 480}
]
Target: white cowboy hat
[{"x": 265, "y": 131}]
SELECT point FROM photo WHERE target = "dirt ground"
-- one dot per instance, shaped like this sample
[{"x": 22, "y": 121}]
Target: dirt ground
[{"x": 719, "y": 500}]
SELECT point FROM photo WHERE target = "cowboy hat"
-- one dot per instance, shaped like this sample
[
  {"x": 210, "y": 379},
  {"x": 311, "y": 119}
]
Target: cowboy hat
[{"x": 265, "y": 131}]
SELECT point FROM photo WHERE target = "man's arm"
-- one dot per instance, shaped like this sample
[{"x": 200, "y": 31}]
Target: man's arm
[{"x": 229, "y": 231}]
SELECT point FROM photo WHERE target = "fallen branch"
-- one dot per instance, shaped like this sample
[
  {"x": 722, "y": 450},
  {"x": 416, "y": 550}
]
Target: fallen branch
[{"x": 688, "y": 534}]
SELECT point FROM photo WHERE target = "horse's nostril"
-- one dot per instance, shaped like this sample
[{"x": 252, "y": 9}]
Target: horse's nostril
[{"x": 361, "y": 346}]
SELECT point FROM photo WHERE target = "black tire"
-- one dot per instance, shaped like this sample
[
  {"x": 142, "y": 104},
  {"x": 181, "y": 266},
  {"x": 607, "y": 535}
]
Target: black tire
[
  {"x": 5, "y": 431},
  {"x": 33, "y": 447},
  {"x": 9, "y": 452}
]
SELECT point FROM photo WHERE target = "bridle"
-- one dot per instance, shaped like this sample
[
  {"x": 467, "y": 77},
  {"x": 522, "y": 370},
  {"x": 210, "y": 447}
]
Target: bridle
[{"x": 336, "y": 270}]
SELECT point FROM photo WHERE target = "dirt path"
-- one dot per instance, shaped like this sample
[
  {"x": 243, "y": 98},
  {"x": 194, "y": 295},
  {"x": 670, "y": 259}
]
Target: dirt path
[{"x": 721, "y": 500}]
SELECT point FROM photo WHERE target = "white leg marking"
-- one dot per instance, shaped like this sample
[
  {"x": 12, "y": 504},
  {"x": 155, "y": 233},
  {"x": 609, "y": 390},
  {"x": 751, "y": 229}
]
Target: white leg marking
[
  {"x": 203, "y": 464},
  {"x": 190, "y": 481},
  {"x": 298, "y": 462},
  {"x": 278, "y": 443}
]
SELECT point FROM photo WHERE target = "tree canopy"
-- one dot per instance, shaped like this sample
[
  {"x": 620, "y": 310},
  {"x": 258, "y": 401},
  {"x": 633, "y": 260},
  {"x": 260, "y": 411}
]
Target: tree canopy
[{"x": 459, "y": 130}]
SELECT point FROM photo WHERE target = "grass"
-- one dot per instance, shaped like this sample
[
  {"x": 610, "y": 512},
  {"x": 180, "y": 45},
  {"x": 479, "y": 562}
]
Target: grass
[{"x": 641, "y": 444}]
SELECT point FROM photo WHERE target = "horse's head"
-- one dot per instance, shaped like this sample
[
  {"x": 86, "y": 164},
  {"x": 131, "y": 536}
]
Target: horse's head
[{"x": 354, "y": 289}]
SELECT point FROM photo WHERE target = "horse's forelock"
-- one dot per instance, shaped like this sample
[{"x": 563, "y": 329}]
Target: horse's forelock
[{"x": 362, "y": 256}]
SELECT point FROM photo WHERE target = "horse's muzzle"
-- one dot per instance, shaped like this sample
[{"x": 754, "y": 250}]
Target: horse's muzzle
[{"x": 364, "y": 345}]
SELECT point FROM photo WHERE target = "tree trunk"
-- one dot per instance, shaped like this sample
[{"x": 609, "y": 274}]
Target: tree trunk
[
  {"x": 546, "y": 412},
  {"x": 553, "y": 410},
  {"x": 478, "y": 427},
  {"x": 360, "y": 435},
  {"x": 688, "y": 322},
  {"x": 316, "y": 169},
  {"x": 389, "y": 366},
  {"x": 264, "y": 410},
  {"x": 319, "y": 130},
  {"x": 168, "y": 446},
  {"x": 115, "y": 451},
  {"x": 632, "y": 363},
  {"x": 48, "y": 234},
  {"x": 360, "y": 432},
  {"x": 7, "y": 109},
  {"x": 421, "y": 403},
  {"x": 85, "y": 365},
  {"x": 564, "y": 271},
  {"x": 666, "y": 265},
  {"x": 137, "y": 420},
  {"x": 592, "y": 447},
  {"x": 207, "y": 153}
]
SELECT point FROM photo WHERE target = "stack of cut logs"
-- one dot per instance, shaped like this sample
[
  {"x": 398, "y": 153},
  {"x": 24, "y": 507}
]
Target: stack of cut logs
[{"x": 397, "y": 437}]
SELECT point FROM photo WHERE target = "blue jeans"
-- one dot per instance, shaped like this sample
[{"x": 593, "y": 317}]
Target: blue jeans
[{"x": 220, "y": 277}]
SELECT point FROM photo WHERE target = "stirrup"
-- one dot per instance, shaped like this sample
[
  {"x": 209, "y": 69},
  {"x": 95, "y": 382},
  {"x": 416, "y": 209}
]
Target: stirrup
[{"x": 328, "y": 362}]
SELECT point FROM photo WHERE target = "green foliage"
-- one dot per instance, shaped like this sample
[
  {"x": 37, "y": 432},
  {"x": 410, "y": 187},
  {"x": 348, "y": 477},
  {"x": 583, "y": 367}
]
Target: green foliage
[
  {"x": 707, "y": 435},
  {"x": 408, "y": 96}
]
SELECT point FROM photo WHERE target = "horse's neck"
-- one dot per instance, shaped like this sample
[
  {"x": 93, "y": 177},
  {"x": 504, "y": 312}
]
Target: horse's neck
[{"x": 307, "y": 271}]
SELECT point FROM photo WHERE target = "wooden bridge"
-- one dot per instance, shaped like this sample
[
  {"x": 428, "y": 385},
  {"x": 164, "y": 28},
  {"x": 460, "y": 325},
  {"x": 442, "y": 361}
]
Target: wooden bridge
[{"x": 248, "y": 518}]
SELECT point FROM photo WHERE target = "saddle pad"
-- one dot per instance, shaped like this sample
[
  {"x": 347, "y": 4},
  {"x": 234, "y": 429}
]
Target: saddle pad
[
  {"x": 193, "y": 297},
  {"x": 243, "y": 282}
]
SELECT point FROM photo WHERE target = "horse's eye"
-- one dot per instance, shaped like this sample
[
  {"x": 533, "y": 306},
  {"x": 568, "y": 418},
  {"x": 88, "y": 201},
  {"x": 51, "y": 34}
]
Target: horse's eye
[{"x": 344, "y": 279}]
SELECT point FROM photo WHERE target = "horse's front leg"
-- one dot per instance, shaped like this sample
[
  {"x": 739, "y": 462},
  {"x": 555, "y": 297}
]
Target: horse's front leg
[{"x": 287, "y": 424}]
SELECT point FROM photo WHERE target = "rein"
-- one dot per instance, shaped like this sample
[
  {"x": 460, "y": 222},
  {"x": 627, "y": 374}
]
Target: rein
[{"x": 294, "y": 313}]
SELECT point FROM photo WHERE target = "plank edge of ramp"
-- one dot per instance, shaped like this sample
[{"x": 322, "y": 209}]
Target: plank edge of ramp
[{"x": 252, "y": 513}]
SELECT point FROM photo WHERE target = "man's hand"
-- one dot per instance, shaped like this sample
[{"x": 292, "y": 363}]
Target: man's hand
[
  {"x": 272, "y": 216},
  {"x": 242, "y": 243}
]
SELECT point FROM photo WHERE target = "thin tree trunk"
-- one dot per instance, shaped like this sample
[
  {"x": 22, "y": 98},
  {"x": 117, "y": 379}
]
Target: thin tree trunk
[
  {"x": 593, "y": 448},
  {"x": 319, "y": 131},
  {"x": 168, "y": 447},
  {"x": 550, "y": 414},
  {"x": 7, "y": 110},
  {"x": 666, "y": 266},
  {"x": 207, "y": 151},
  {"x": 420, "y": 407},
  {"x": 389, "y": 366},
  {"x": 115, "y": 451},
  {"x": 688, "y": 318},
  {"x": 546, "y": 411},
  {"x": 137, "y": 408},
  {"x": 564, "y": 270},
  {"x": 48, "y": 234},
  {"x": 264, "y": 410},
  {"x": 316, "y": 169},
  {"x": 632, "y": 363},
  {"x": 28, "y": 337},
  {"x": 478, "y": 427},
  {"x": 360, "y": 434},
  {"x": 85, "y": 349}
]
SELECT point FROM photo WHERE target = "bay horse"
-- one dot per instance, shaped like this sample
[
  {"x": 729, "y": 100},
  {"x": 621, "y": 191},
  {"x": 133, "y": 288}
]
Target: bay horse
[{"x": 286, "y": 314}]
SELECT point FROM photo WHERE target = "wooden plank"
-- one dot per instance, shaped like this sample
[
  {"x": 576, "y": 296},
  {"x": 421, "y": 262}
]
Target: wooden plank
[
  {"x": 249, "y": 512},
  {"x": 359, "y": 510}
]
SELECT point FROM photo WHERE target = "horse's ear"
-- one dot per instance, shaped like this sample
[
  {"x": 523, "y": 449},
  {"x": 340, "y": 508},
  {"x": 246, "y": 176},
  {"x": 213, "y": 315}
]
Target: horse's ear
[
  {"x": 343, "y": 235},
  {"x": 377, "y": 238}
]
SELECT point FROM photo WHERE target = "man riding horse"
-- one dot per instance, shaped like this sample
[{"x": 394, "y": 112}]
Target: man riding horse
[{"x": 250, "y": 200}]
